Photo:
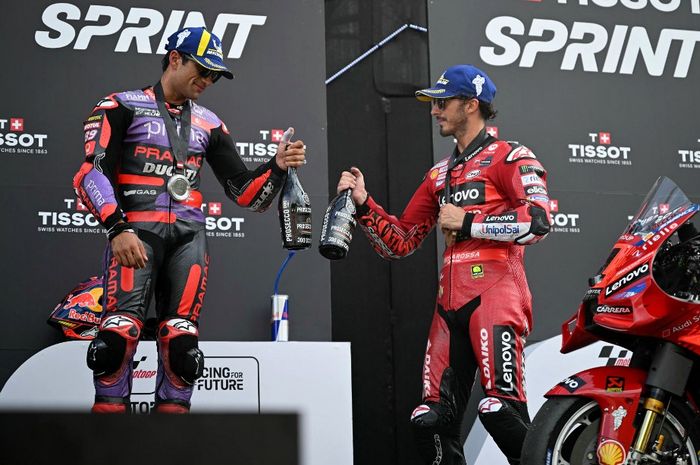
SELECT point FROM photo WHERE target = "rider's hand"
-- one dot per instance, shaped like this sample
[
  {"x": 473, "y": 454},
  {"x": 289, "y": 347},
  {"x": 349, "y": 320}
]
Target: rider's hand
[
  {"x": 129, "y": 251},
  {"x": 291, "y": 155},
  {"x": 354, "y": 180}
]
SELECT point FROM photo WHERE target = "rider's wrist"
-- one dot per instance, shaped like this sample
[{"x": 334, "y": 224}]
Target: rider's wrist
[{"x": 119, "y": 228}]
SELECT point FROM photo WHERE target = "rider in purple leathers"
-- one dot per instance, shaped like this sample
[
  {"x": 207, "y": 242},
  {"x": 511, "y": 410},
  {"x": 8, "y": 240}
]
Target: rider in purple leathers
[{"x": 144, "y": 150}]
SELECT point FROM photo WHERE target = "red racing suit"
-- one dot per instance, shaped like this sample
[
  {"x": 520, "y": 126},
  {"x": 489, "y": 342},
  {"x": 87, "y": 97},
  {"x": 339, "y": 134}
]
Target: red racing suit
[
  {"x": 129, "y": 161},
  {"x": 483, "y": 310}
]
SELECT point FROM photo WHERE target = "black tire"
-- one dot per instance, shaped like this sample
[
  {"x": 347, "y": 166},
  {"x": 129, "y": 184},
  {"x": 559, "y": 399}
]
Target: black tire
[{"x": 565, "y": 432}]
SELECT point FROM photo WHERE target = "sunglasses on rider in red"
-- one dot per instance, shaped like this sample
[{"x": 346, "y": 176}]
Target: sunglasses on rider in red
[{"x": 441, "y": 103}]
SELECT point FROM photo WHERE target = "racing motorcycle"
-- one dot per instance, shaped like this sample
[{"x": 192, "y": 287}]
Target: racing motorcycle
[{"x": 645, "y": 298}]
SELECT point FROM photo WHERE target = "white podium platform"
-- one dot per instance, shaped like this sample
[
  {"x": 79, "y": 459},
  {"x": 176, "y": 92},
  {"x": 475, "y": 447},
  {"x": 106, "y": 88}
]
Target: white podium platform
[{"x": 312, "y": 379}]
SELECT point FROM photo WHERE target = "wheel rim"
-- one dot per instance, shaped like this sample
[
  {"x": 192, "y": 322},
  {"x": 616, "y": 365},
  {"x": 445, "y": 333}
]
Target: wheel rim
[
  {"x": 674, "y": 431},
  {"x": 575, "y": 444}
]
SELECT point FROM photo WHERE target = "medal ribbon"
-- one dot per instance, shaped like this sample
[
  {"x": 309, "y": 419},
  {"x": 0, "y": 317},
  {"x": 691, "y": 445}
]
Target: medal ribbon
[{"x": 179, "y": 143}]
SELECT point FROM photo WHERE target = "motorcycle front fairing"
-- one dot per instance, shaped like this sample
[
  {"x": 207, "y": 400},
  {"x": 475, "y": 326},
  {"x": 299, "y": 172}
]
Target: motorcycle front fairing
[
  {"x": 625, "y": 301},
  {"x": 625, "y": 304}
]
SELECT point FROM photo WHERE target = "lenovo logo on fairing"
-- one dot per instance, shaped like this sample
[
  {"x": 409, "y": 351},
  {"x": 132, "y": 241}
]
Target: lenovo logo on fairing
[
  {"x": 105, "y": 20},
  {"x": 628, "y": 278}
]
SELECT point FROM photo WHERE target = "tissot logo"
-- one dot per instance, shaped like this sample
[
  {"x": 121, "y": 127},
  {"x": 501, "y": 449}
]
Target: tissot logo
[
  {"x": 218, "y": 225},
  {"x": 73, "y": 218},
  {"x": 689, "y": 157},
  {"x": 599, "y": 149},
  {"x": 67, "y": 25},
  {"x": 666, "y": 6},
  {"x": 620, "y": 49},
  {"x": 563, "y": 222},
  {"x": 263, "y": 149},
  {"x": 16, "y": 137}
]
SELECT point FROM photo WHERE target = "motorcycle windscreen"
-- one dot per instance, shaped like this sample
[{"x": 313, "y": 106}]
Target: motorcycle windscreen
[{"x": 663, "y": 200}]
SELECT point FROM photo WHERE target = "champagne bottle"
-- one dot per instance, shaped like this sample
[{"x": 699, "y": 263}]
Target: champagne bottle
[
  {"x": 294, "y": 209},
  {"x": 338, "y": 224}
]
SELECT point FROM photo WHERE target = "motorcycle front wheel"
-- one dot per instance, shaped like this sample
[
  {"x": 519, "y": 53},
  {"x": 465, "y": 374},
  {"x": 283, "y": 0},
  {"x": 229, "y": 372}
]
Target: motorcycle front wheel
[{"x": 565, "y": 432}]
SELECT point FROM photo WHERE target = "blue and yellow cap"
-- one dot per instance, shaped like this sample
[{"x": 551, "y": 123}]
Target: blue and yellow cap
[
  {"x": 460, "y": 81},
  {"x": 200, "y": 45}
]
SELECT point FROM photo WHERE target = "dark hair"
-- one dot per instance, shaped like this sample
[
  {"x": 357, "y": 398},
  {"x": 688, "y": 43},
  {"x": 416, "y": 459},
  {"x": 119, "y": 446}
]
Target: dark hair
[
  {"x": 487, "y": 111},
  {"x": 166, "y": 59}
]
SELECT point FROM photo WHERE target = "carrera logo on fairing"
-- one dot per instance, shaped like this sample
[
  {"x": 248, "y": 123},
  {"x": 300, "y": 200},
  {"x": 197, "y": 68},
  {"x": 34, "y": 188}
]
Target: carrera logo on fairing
[
  {"x": 616, "y": 310},
  {"x": 62, "y": 20},
  {"x": 627, "y": 279}
]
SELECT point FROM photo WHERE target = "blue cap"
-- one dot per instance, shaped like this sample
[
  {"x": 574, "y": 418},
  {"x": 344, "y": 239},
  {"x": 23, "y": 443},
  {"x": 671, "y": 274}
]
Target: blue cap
[
  {"x": 460, "y": 81},
  {"x": 200, "y": 45}
]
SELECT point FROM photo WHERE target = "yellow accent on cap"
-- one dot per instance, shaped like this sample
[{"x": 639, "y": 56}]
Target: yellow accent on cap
[{"x": 203, "y": 42}]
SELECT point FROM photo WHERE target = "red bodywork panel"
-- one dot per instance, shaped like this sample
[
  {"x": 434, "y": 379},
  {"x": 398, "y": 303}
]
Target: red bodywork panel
[{"x": 616, "y": 390}]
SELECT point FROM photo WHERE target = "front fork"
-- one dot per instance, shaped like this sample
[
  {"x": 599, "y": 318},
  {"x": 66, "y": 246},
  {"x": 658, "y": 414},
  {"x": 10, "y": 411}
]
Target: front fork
[
  {"x": 654, "y": 406},
  {"x": 668, "y": 375}
]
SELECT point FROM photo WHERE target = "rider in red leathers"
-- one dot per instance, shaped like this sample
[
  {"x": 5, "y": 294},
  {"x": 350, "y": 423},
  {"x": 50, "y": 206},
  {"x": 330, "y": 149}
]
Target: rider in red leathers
[{"x": 489, "y": 197}]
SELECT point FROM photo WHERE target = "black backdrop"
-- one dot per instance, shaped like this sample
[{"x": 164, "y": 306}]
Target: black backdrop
[
  {"x": 383, "y": 307},
  {"x": 53, "y": 78}
]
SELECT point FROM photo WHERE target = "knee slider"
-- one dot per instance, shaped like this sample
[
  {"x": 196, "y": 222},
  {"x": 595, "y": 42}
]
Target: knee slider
[
  {"x": 432, "y": 415},
  {"x": 178, "y": 340},
  {"x": 114, "y": 344}
]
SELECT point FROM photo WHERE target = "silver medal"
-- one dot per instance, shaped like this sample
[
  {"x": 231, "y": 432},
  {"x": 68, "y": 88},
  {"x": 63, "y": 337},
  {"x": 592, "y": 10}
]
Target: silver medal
[{"x": 179, "y": 187}]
